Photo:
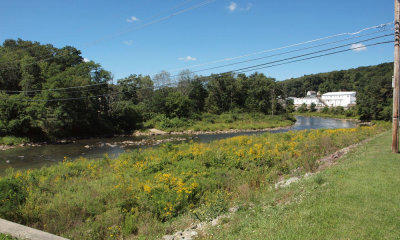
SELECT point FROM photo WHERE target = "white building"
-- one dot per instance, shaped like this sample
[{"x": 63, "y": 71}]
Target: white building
[
  {"x": 330, "y": 99},
  {"x": 336, "y": 99},
  {"x": 307, "y": 100}
]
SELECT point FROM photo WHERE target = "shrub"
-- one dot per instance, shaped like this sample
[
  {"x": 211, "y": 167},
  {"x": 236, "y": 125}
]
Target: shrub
[
  {"x": 313, "y": 107},
  {"x": 302, "y": 108},
  {"x": 9, "y": 140},
  {"x": 325, "y": 110},
  {"x": 12, "y": 195}
]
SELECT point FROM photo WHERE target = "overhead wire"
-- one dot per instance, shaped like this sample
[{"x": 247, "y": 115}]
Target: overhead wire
[
  {"x": 323, "y": 55},
  {"x": 383, "y": 30},
  {"x": 379, "y": 26},
  {"x": 203, "y": 3},
  {"x": 324, "y": 50},
  {"x": 287, "y": 52},
  {"x": 237, "y": 71}
]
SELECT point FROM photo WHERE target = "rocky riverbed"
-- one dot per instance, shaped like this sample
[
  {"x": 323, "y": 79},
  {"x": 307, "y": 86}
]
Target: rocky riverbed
[{"x": 155, "y": 132}]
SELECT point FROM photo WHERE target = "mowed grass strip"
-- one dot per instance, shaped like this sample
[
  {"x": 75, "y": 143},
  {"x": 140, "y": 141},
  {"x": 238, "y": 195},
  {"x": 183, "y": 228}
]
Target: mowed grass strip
[{"x": 359, "y": 198}]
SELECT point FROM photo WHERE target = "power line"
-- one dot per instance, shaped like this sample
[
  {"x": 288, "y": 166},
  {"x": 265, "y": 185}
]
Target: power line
[
  {"x": 54, "y": 89},
  {"x": 253, "y": 68},
  {"x": 379, "y": 26},
  {"x": 307, "y": 54},
  {"x": 297, "y": 50},
  {"x": 37, "y": 44},
  {"x": 323, "y": 55},
  {"x": 204, "y": 3}
]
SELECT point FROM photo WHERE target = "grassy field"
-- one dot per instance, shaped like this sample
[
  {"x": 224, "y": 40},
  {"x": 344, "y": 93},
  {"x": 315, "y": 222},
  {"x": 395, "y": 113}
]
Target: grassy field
[
  {"x": 356, "y": 199},
  {"x": 147, "y": 193},
  {"x": 225, "y": 121}
]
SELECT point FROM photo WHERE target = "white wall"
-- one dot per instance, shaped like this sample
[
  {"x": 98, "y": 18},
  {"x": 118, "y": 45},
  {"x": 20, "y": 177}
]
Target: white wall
[{"x": 340, "y": 99}]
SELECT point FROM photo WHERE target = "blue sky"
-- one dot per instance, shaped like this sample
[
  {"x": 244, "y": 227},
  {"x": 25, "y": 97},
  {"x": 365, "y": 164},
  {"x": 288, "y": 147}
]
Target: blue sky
[{"x": 122, "y": 37}]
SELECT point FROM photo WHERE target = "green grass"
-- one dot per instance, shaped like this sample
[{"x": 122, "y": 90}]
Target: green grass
[
  {"x": 7, "y": 237},
  {"x": 356, "y": 199},
  {"x": 225, "y": 121},
  {"x": 151, "y": 192},
  {"x": 11, "y": 140}
]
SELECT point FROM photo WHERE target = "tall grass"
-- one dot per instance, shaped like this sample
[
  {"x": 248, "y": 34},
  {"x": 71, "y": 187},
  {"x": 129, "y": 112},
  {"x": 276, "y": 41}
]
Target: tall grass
[
  {"x": 148, "y": 192},
  {"x": 225, "y": 121}
]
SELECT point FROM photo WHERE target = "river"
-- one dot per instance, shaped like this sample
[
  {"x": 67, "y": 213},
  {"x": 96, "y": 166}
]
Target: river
[{"x": 22, "y": 158}]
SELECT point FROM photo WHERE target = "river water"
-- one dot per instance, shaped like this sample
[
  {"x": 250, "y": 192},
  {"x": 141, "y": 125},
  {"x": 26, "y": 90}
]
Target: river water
[{"x": 34, "y": 157}]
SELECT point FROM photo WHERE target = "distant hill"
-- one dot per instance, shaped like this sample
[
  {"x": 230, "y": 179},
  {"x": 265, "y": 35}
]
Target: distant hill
[{"x": 373, "y": 85}]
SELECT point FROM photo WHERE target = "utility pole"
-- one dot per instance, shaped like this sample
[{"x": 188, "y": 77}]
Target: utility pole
[{"x": 395, "y": 133}]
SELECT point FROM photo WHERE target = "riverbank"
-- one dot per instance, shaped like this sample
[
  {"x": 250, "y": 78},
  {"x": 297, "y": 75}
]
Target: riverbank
[
  {"x": 153, "y": 192},
  {"x": 327, "y": 115},
  {"x": 223, "y": 123},
  {"x": 355, "y": 199},
  {"x": 9, "y": 142},
  {"x": 155, "y": 132},
  {"x": 210, "y": 124}
]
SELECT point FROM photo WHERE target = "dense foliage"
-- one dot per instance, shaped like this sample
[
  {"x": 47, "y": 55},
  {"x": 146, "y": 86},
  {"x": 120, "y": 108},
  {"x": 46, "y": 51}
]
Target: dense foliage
[
  {"x": 29, "y": 73},
  {"x": 27, "y": 68},
  {"x": 373, "y": 86},
  {"x": 42, "y": 94}
]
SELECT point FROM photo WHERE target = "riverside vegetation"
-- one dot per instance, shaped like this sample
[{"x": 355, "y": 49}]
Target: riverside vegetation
[
  {"x": 30, "y": 107},
  {"x": 355, "y": 199},
  {"x": 148, "y": 193},
  {"x": 224, "y": 121},
  {"x": 31, "y": 91}
]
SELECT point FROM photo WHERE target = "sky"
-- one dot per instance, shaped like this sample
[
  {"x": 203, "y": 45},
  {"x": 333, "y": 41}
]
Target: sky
[{"x": 147, "y": 36}]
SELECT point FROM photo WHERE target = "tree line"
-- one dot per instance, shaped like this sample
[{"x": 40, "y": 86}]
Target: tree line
[
  {"x": 373, "y": 85},
  {"x": 45, "y": 97}
]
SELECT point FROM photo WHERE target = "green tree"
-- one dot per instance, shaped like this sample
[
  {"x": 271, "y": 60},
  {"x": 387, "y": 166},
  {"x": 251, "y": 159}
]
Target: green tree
[
  {"x": 313, "y": 107},
  {"x": 177, "y": 105}
]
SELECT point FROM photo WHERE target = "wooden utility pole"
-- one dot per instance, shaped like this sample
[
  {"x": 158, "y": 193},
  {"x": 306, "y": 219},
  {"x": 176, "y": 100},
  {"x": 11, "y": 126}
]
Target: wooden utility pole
[{"x": 396, "y": 79}]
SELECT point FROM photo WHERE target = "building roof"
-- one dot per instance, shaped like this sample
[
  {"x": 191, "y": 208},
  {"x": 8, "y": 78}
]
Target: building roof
[
  {"x": 337, "y": 93},
  {"x": 306, "y": 98}
]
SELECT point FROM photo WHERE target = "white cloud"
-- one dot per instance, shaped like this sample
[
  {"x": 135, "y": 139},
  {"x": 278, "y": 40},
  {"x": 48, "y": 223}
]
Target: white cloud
[
  {"x": 86, "y": 60},
  {"x": 188, "y": 58},
  {"x": 132, "y": 19},
  {"x": 232, "y": 7},
  {"x": 249, "y": 6},
  {"x": 358, "y": 47},
  {"x": 128, "y": 42}
]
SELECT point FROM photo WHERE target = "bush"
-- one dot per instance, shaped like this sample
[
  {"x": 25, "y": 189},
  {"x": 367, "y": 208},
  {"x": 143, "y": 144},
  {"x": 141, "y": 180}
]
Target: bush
[
  {"x": 325, "y": 110},
  {"x": 126, "y": 116},
  {"x": 12, "y": 195},
  {"x": 9, "y": 140},
  {"x": 302, "y": 108},
  {"x": 313, "y": 107},
  {"x": 164, "y": 123}
]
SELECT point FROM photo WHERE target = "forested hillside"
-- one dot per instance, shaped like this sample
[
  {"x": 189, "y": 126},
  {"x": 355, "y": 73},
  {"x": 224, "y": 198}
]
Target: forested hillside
[
  {"x": 51, "y": 92},
  {"x": 373, "y": 85}
]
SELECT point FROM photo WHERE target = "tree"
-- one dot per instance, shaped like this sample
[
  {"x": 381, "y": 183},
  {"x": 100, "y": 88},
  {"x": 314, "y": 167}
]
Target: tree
[
  {"x": 177, "y": 105},
  {"x": 313, "y": 107},
  {"x": 185, "y": 77},
  {"x": 302, "y": 108},
  {"x": 162, "y": 79},
  {"x": 197, "y": 94},
  {"x": 222, "y": 93}
]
